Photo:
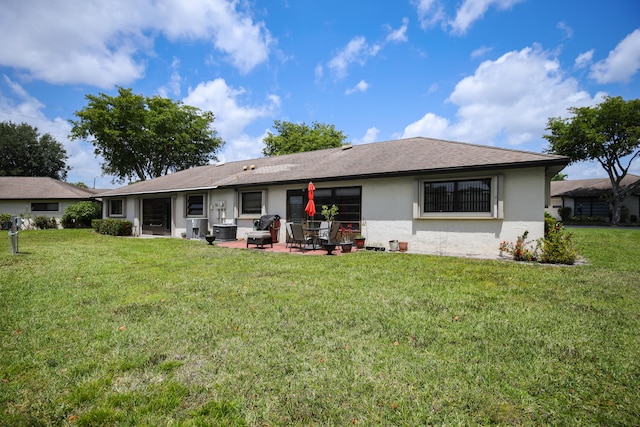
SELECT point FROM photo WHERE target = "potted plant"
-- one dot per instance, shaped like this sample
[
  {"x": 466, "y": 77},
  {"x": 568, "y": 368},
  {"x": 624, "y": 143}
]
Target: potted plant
[
  {"x": 346, "y": 244},
  {"x": 329, "y": 213},
  {"x": 359, "y": 241}
]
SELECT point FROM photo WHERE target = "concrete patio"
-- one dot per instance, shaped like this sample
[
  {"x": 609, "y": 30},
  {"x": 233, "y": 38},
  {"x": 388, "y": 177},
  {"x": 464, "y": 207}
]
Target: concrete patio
[{"x": 280, "y": 247}]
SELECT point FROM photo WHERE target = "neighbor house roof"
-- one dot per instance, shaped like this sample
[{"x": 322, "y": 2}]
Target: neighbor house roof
[
  {"x": 589, "y": 187},
  {"x": 382, "y": 159},
  {"x": 34, "y": 188}
]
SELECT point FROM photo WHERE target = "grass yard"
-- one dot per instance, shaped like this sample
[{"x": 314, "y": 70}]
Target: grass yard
[{"x": 99, "y": 331}]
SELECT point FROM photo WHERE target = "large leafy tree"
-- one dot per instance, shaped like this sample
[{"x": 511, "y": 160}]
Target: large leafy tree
[
  {"x": 608, "y": 133},
  {"x": 295, "y": 138},
  {"x": 146, "y": 137},
  {"x": 24, "y": 152}
]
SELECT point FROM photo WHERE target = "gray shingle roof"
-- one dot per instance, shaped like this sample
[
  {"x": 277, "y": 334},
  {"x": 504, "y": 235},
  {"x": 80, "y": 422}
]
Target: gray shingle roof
[
  {"x": 35, "y": 188},
  {"x": 391, "y": 158},
  {"x": 589, "y": 187}
]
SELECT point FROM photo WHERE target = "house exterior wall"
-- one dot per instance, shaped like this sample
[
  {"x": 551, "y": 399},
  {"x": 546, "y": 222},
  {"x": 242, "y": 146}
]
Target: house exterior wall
[
  {"x": 22, "y": 208},
  {"x": 391, "y": 211},
  {"x": 632, "y": 203}
]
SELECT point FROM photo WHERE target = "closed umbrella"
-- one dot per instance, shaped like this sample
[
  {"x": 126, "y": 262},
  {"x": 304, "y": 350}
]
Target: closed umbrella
[{"x": 311, "y": 205}]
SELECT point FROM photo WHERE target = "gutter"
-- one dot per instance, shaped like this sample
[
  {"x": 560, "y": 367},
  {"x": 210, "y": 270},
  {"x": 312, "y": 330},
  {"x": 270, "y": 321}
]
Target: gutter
[{"x": 164, "y": 191}]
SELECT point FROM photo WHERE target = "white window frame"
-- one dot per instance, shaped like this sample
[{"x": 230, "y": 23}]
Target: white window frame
[
  {"x": 110, "y": 211},
  {"x": 263, "y": 204},
  {"x": 204, "y": 205},
  {"x": 497, "y": 199}
]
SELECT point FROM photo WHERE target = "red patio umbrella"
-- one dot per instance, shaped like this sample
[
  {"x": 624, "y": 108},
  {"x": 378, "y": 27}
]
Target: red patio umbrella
[{"x": 311, "y": 205}]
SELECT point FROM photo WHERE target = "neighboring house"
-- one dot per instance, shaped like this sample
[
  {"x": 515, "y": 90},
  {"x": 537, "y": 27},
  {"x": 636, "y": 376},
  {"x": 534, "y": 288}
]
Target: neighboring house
[
  {"x": 29, "y": 197},
  {"x": 442, "y": 197},
  {"x": 587, "y": 197}
]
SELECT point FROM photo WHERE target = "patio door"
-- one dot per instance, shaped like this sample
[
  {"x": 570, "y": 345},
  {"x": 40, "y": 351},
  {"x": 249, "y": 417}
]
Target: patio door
[{"x": 156, "y": 216}]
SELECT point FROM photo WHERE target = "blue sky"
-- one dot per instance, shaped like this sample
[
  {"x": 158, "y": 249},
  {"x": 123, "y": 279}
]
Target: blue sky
[{"x": 481, "y": 71}]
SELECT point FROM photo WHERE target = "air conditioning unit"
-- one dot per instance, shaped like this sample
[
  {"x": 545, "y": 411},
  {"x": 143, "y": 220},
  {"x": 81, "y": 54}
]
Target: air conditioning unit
[{"x": 197, "y": 228}]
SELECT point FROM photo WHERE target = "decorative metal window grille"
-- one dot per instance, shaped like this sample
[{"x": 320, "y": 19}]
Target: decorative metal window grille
[{"x": 458, "y": 196}]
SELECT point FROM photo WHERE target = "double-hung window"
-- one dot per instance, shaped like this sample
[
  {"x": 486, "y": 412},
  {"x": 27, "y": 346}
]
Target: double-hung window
[
  {"x": 116, "y": 207},
  {"x": 251, "y": 203}
]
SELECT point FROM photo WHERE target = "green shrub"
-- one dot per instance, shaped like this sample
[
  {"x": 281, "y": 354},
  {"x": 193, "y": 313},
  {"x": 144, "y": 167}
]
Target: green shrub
[
  {"x": 549, "y": 223},
  {"x": 116, "y": 227},
  {"x": 557, "y": 247},
  {"x": 96, "y": 224},
  {"x": 4, "y": 219},
  {"x": 43, "y": 222},
  {"x": 624, "y": 215},
  {"x": 79, "y": 215},
  {"x": 565, "y": 213},
  {"x": 521, "y": 250}
]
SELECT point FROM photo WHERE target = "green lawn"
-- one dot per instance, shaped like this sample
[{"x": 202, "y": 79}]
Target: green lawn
[{"x": 99, "y": 330}]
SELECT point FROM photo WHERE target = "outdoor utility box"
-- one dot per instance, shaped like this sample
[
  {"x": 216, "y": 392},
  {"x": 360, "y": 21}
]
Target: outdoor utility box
[
  {"x": 14, "y": 229},
  {"x": 197, "y": 228},
  {"x": 225, "y": 232}
]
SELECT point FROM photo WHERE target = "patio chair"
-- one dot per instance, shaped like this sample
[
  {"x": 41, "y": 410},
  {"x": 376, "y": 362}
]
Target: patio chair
[
  {"x": 298, "y": 237},
  {"x": 289, "y": 236},
  {"x": 332, "y": 235},
  {"x": 323, "y": 233}
]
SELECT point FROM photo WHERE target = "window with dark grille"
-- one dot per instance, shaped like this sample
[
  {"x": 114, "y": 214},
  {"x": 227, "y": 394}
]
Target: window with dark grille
[
  {"x": 458, "y": 196},
  {"x": 251, "y": 203},
  {"x": 116, "y": 207},
  {"x": 195, "y": 205},
  {"x": 44, "y": 207}
]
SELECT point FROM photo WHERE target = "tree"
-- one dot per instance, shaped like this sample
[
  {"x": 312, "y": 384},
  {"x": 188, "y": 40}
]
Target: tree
[
  {"x": 146, "y": 137},
  {"x": 559, "y": 177},
  {"x": 295, "y": 138},
  {"x": 23, "y": 152},
  {"x": 608, "y": 133}
]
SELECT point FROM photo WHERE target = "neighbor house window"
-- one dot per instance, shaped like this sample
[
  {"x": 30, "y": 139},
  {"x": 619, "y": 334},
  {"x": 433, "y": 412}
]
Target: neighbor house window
[
  {"x": 195, "y": 205},
  {"x": 44, "y": 207},
  {"x": 116, "y": 207},
  {"x": 477, "y": 197},
  {"x": 251, "y": 203}
]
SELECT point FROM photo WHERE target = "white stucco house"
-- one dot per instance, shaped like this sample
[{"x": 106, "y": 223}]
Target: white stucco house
[
  {"x": 28, "y": 196},
  {"x": 442, "y": 197}
]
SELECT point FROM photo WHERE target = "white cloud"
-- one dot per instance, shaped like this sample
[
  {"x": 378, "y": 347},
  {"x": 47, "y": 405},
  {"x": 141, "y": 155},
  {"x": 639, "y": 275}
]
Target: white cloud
[
  {"x": 429, "y": 125},
  {"x": 231, "y": 117},
  {"x": 83, "y": 163},
  {"x": 399, "y": 35},
  {"x": 370, "y": 136},
  {"x": 430, "y": 13},
  {"x": 105, "y": 43},
  {"x": 318, "y": 72},
  {"x": 243, "y": 147},
  {"x": 472, "y": 10},
  {"x": 621, "y": 64},
  {"x": 356, "y": 51},
  {"x": 584, "y": 59},
  {"x": 568, "y": 31},
  {"x": 480, "y": 52},
  {"x": 172, "y": 88},
  {"x": 490, "y": 111},
  {"x": 362, "y": 86}
]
